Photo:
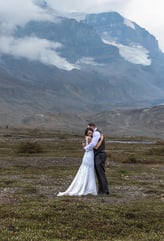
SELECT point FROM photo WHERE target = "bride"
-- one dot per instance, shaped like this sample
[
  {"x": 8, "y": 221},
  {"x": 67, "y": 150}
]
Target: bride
[{"x": 84, "y": 181}]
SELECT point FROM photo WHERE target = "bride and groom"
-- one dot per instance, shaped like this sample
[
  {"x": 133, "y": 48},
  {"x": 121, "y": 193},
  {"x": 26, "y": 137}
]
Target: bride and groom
[{"x": 93, "y": 162}]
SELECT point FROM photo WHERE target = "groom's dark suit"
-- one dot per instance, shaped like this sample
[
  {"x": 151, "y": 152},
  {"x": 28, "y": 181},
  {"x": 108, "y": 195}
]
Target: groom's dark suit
[{"x": 99, "y": 159}]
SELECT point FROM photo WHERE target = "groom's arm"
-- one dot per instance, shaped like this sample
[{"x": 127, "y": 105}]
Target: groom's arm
[{"x": 95, "y": 139}]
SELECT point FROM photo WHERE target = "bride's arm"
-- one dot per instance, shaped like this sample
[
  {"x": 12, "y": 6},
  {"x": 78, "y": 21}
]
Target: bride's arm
[
  {"x": 89, "y": 139},
  {"x": 99, "y": 142},
  {"x": 86, "y": 141}
]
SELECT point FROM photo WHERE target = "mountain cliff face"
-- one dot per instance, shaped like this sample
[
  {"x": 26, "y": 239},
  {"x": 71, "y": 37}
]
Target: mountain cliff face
[
  {"x": 100, "y": 63},
  {"x": 135, "y": 44},
  {"x": 113, "y": 27}
]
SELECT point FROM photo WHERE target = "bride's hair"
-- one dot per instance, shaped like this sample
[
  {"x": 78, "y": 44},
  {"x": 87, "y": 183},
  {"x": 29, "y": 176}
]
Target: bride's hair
[{"x": 88, "y": 129}]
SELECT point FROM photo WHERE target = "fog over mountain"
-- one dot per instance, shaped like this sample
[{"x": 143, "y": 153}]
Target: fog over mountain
[{"x": 87, "y": 63}]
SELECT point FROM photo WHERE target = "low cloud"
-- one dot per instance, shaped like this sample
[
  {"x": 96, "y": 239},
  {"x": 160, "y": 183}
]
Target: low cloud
[
  {"x": 18, "y": 13},
  {"x": 87, "y": 6},
  {"x": 34, "y": 48}
]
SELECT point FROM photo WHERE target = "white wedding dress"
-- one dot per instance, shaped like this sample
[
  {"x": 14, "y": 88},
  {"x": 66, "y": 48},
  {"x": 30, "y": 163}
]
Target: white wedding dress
[{"x": 84, "y": 182}]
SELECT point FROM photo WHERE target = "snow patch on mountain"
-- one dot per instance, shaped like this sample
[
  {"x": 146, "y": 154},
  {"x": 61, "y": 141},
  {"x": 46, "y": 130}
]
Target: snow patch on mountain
[
  {"x": 133, "y": 54},
  {"x": 129, "y": 23},
  {"x": 87, "y": 61}
]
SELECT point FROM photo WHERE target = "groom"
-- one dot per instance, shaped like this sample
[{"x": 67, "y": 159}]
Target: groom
[{"x": 99, "y": 159}]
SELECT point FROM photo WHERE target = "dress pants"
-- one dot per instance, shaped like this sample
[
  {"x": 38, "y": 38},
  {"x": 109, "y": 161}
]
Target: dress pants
[{"x": 99, "y": 161}]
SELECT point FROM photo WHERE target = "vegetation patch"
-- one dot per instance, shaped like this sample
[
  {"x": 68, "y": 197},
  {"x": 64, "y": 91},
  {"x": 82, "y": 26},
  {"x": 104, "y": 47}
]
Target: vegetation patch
[
  {"x": 29, "y": 148},
  {"x": 156, "y": 151},
  {"x": 30, "y": 180}
]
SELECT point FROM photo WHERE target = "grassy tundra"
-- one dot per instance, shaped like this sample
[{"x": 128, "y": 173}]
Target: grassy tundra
[{"x": 35, "y": 165}]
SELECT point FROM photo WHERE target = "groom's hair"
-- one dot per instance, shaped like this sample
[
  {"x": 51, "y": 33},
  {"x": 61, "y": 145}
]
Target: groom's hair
[{"x": 92, "y": 124}]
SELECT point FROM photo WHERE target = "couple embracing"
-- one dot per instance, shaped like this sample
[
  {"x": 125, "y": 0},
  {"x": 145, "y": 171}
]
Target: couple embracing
[{"x": 93, "y": 161}]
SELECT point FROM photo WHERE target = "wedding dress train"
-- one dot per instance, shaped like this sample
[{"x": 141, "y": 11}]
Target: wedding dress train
[{"x": 84, "y": 181}]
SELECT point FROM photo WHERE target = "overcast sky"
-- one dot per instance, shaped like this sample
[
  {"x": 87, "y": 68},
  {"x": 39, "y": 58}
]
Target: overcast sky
[{"x": 146, "y": 13}]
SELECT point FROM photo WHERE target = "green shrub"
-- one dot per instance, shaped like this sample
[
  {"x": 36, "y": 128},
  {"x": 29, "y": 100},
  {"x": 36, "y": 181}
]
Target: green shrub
[
  {"x": 156, "y": 151},
  {"x": 131, "y": 159},
  {"x": 29, "y": 148}
]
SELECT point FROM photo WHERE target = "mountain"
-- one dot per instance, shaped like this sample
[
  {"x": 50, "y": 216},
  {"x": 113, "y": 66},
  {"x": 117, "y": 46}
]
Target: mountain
[
  {"x": 144, "y": 122},
  {"x": 135, "y": 44},
  {"x": 137, "y": 122},
  {"x": 99, "y": 63}
]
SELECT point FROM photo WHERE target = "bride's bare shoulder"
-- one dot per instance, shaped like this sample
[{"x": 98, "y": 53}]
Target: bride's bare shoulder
[{"x": 89, "y": 138}]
